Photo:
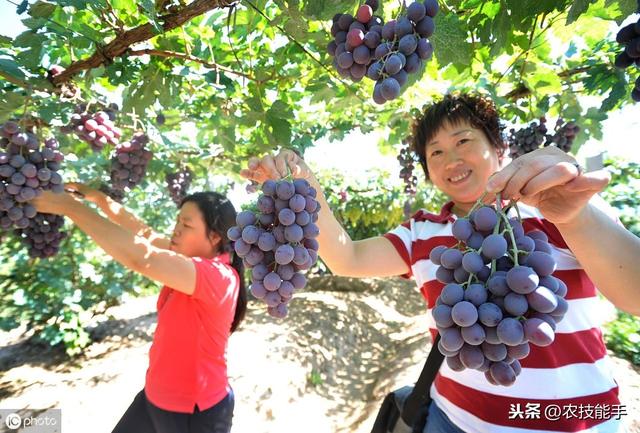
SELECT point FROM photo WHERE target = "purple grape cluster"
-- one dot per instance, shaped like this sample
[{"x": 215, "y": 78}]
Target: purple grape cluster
[
  {"x": 629, "y": 38},
  {"x": 565, "y": 134},
  {"x": 129, "y": 162},
  {"x": 94, "y": 127},
  {"x": 499, "y": 296},
  {"x": 536, "y": 135},
  {"x": 26, "y": 169},
  {"x": 279, "y": 241},
  {"x": 407, "y": 160},
  {"x": 527, "y": 139},
  {"x": 43, "y": 235},
  {"x": 386, "y": 53},
  {"x": 178, "y": 184}
]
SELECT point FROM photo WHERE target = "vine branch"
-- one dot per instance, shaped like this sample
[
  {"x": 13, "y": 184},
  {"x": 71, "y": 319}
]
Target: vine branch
[{"x": 119, "y": 45}]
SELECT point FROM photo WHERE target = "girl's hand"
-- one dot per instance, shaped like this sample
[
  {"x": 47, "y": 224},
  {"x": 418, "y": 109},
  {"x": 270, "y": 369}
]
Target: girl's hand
[
  {"x": 276, "y": 167},
  {"x": 57, "y": 204},
  {"x": 83, "y": 191},
  {"x": 550, "y": 180}
]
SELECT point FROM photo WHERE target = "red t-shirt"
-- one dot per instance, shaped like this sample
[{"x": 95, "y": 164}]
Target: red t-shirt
[{"x": 187, "y": 360}]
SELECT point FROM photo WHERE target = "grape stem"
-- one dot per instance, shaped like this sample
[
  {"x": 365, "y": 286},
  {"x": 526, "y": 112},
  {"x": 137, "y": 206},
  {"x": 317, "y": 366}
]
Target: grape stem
[{"x": 513, "y": 239}]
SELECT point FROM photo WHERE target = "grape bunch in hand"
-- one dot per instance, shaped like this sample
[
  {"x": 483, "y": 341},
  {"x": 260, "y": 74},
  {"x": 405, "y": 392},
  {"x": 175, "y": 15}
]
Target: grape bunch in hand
[
  {"x": 279, "y": 241},
  {"x": 499, "y": 296}
]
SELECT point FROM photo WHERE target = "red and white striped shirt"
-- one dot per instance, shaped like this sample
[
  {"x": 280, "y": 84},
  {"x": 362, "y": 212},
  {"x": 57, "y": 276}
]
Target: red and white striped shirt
[{"x": 572, "y": 375}]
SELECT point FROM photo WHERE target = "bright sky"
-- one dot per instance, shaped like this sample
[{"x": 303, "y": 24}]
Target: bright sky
[{"x": 621, "y": 133}]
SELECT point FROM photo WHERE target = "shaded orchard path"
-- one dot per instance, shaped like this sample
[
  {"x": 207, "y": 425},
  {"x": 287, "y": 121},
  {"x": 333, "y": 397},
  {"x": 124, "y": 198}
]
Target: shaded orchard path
[{"x": 325, "y": 368}]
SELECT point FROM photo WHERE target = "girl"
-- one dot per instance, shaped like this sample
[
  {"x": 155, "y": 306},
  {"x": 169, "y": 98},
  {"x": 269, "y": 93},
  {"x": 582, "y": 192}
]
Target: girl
[
  {"x": 459, "y": 143},
  {"x": 203, "y": 300}
]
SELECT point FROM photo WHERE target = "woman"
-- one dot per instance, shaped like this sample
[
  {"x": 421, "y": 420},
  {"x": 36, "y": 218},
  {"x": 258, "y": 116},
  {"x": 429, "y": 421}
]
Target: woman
[
  {"x": 202, "y": 302},
  {"x": 459, "y": 143}
]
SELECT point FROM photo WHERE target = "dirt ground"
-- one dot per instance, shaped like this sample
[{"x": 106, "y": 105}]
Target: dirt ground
[{"x": 323, "y": 369}]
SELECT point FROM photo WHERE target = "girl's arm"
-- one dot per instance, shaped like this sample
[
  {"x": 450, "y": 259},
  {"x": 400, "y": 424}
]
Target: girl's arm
[
  {"x": 609, "y": 255},
  {"x": 133, "y": 251},
  {"x": 373, "y": 257},
  {"x": 119, "y": 215}
]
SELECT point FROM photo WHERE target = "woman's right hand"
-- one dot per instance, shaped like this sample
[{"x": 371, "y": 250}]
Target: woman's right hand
[
  {"x": 275, "y": 167},
  {"x": 84, "y": 191}
]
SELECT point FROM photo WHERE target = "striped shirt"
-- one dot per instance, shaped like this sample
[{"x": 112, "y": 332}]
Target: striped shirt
[{"x": 572, "y": 375}]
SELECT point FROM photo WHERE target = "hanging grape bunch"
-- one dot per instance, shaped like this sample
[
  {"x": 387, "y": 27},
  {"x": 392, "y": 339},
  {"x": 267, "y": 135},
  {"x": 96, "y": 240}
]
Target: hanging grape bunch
[
  {"x": 536, "y": 135},
  {"x": 279, "y": 241},
  {"x": 43, "y": 235},
  {"x": 499, "y": 296},
  {"x": 178, "y": 184},
  {"x": 527, "y": 139},
  {"x": 407, "y": 161},
  {"x": 129, "y": 162},
  {"x": 93, "y": 123},
  {"x": 629, "y": 38},
  {"x": 26, "y": 169},
  {"x": 385, "y": 52},
  {"x": 565, "y": 134}
]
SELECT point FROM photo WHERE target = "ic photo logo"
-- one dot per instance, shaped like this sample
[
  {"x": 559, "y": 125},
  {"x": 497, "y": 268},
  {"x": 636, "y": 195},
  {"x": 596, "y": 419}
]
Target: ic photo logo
[{"x": 13, "y": 421}]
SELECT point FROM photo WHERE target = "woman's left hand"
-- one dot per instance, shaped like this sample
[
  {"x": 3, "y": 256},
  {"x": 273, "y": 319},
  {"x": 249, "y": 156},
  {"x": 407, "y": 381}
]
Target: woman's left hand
[
  {"x": 52, "y": 203},
  {"x": 550, "y": 180}
]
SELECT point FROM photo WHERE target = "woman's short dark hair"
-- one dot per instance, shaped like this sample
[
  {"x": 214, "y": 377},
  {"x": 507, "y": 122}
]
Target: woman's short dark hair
[
  {"x": 220, "y": 215},
  {"x": 479, "y": 111}
]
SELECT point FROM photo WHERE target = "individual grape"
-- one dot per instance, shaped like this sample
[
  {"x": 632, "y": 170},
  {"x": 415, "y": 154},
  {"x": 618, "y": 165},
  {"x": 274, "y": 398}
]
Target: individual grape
[
  {"x": 444, "y": 275},
  {"x": 424, "y": 49},
  {"x": 452, "y": 294},
  {"x": 257, "y": 289},
  {"x": 432, "y": 7},
  {"x": 464, "y": 313},
  {"x": 542, "y": 263},
  {"x": 454, "y": 363},
  {"x": 562, "y": 288},
  {"x": 494, "y": 246},
  {"x": 471, "y": 356},
  {"x": 460, "y": 275},
  {"x": 390, "y": 88},
  {"x": 475, "y": 241},
  {"x": 436, "y": 253},
  {"x": 476, "y": 294},
  {"x": 522, "y": 279},
  {"x": 502, "y": 374},
  {"x": 510, "y": 332},
  {"x": 451, "y": 339},
  {"x": 462, "y": 229},
  {"x": 485, "y": 218},
  {"x": 416, "y": 11},
  {"x": 515, "y": 304},
  {"x": 562, "y": 307},
  {"x": 542, "y": 300},
  {"x": 489, "y": 314},
  {"x": 442, "y": 316},
  {"x": 446, "y": 352},
  {"x": 473, "y": 335},
  {"x": 520, "y": 351},
  {"x": 365, "y": 13},
  {"x": 538, "y": 332},
  {"x": 451, "y": 258},
  {"x": 472, "y": 262},
  {"x": 494, "y": 352},
  {"x": 497, "y": 284},
  {"x": 250, "y": 234}
]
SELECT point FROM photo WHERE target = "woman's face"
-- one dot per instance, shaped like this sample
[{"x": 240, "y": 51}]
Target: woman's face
[
  {"x": 460, "y": 160},
  {"x": 190, "y": 234}
]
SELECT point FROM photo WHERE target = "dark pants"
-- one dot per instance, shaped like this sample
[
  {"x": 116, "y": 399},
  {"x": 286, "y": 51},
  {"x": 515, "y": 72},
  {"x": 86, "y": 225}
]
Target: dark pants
[{"x": 143, "y": 417}]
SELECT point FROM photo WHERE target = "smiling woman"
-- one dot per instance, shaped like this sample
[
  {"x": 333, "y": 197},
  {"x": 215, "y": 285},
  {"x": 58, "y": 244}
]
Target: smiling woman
[
  {"x": 203, "y": 300},
  {"x": 458, "y": 141}
]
